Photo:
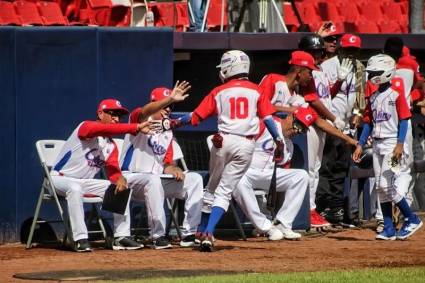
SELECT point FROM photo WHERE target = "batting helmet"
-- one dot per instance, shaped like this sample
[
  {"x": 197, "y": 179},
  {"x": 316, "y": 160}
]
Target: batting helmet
[
  {"x": 380, "y": 68},
  {"x": 311, "y": 42},
  {"x": 366, "y": 159},
  {"x": 233, "y": 62}
]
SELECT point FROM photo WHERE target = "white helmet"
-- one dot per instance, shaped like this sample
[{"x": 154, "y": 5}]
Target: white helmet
[
  {"x": 233, "y": 62},
  {"x": 383, "y": 65}
]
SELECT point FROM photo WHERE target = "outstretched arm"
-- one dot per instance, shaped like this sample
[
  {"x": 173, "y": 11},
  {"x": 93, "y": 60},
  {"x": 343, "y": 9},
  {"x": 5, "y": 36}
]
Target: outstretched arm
[{"x": 326, "y": 127}]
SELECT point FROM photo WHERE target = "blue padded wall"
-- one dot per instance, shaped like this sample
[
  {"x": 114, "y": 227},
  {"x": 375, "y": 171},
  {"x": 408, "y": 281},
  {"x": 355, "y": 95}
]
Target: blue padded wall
[{"x": 52, "y": 79}]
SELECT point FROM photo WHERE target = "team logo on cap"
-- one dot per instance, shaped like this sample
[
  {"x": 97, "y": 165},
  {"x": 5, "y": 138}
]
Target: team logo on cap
[
  {"x": 166, "y": 93},
  {"x": 118, "y": 103},
  {"x": 303, "y": 62},
  {"x": 352, "y": 39},
  {"x": 333, "y": 28},
  {"x": 309, "y": 117}
]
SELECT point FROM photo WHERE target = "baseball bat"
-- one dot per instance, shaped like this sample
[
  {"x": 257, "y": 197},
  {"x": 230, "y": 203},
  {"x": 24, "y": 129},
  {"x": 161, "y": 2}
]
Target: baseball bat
[{"x": 272, "y": 195}]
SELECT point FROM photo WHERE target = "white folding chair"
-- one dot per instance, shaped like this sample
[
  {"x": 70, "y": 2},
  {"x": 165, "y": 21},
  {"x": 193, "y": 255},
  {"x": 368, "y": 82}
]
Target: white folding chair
[
  {"x": 231, "y": 205},
  {"x": 47, "y": 151}
]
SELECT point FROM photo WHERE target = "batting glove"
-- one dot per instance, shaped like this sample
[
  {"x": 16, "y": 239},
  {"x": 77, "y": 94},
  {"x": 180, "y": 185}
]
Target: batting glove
[
  {"x": 278, "y": 152},
  {"x": 345, "y": 68},
  {"x": 339, "y": 124}
]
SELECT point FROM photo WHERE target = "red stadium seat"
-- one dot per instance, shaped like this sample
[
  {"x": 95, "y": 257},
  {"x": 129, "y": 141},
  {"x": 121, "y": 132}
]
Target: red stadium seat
[
  {"x": 120, "y": 16},
  {"x": 393, "y": 12},
  {"x": 8, "y": 15},
  {"x": 171, "y": 14},
  {"x": 96, "y": 12},
  {"x": 51, "y": 14},
  {"x": 371, "y": 10},
  {"x": 390, "y": 27},
  {"x": 329, "y": 12},
  {"x": 349, "y": 11},
  {"x": 289, "y": 15},
  {"x": 364, "y": 26},
  {"x": 28, "y": 12},
  {"x": 214, "y": 14},
  {"x": 310, "y": 14}
]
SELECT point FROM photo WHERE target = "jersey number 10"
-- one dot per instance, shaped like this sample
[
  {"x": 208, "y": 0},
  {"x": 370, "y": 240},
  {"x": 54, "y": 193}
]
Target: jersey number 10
[{"x": 238, "y": 108}]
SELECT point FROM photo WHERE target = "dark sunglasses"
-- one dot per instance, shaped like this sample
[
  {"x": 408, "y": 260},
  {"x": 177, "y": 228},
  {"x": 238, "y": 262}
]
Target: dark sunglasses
[
  {"x": 330, "y": 38},
  {"x": 113, "y": 113}
]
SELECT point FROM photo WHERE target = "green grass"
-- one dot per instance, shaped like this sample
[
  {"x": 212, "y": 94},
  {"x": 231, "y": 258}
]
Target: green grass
[{"x": 375, "y": 275}]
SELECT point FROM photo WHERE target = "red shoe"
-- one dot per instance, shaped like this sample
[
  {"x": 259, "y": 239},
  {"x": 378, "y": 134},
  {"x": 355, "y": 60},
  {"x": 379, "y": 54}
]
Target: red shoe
[{"x": 316, "y": 220}]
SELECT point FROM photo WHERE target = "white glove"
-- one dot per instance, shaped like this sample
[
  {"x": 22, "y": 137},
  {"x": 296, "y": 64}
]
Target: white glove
[
  {"x": 339, "y": 124},
  {"x": 345, "y": 68}
]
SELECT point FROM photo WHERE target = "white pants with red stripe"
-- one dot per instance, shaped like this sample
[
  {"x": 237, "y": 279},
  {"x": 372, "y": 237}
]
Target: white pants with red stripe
[
  {"x": 153, "y": 190},
  {"x": 73, "y": 190},
  {"x": 315, "y": 144},
  {"x": 294, "y": 182},
  {"x": 227, "y": 166}
]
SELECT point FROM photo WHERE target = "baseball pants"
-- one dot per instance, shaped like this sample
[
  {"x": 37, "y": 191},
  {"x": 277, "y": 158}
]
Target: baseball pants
[
  {"x": 294, "y": 182},
  {"x": 386, "y": 180},
  {"x": 315, "y": 144},
  {"x": 404, "y": 182},
  {"x": 153, "y": 190},
  {"x": 227, "y": 166},
  {"x": 73, "y": 190}
]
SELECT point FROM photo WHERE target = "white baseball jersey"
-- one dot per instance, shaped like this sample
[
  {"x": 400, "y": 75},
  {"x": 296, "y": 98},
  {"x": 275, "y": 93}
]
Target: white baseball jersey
[
  {"x": 276, "y": 89},
  {"x": 343, "y": 101},
  {"x": 238, "y": 104},
  {"x": 89, "y": 148},
  {"x": 408, "y": 70},
  {"x": 385, "y": 110},
  {"x": 322, "y": 84},
  {"x": 264, "y": 149}
]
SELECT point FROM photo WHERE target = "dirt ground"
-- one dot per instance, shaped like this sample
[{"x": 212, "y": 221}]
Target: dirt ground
[{"x": 346, "y": 249}]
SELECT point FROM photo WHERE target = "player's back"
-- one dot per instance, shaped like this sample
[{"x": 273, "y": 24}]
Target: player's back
[{"x": 236, "y": 103}]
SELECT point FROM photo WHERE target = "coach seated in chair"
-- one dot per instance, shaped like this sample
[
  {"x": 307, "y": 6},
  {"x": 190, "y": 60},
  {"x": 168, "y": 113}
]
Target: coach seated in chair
[{"x": 145, "y": 157}]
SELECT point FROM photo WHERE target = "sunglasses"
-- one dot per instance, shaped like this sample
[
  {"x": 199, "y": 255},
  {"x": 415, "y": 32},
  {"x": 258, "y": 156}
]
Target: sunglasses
[
  {"x": 330, "y": 38},
  {"x": 113, "y": 113}
]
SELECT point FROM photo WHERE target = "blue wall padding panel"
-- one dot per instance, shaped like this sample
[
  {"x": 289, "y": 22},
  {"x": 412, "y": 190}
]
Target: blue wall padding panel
[
  {"x": 52, "y": 79},
  {"x": 7, "y": 137}
]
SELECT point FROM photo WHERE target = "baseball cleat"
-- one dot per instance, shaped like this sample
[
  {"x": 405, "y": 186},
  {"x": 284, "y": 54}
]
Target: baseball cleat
[
  {"x": 189, "y": 241},
  {"x": 316, "y": 220},
  {"x": 82, "y": 245},
  {"x": 389, "y": 234},
  {"x": 288, "y": 234},
  {"x": 207, "y": 243},
  {"x": 161, "y": 243},
  {"x": 380, "y": 227},
  {"x": 410, "y": 226},
  {"x": 125, "y": 243},
  {"x": 274, "y": 234}
]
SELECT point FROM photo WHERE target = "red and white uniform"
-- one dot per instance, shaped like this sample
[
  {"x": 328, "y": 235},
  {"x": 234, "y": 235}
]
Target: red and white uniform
[
  {"x": 238, "y": 105},
  {"x": 88, "y": 149},
  {"x": 142, "y": 161},
  {"x": 323, "y": 91},
  {"x": 294, "y": 182},
  {"x": 385, "y": 110}
]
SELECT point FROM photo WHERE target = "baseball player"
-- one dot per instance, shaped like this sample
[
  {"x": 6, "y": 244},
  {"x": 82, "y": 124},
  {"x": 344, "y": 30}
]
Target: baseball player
[
  {"x": 238, "y": 105},
  {"x": 330, "y": 34},
  {"x": 386, "y": 118},
  {"x": 88, "y": 149},
  {"x": 145, "y": 157},
  {"x": 294, "y": 182},
  {"x": 348, "y": 104}
]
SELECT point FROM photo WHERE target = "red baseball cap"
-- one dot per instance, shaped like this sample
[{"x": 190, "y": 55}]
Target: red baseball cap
[
  {"x": 111, "y": 104},
  {"x": 333, "y": 31},
  {"x": 160, "y": 93},
  {"x": 306, "y": 115},
  {"x": 350, "y": 40},
  {"x": 303, "y": 59}
]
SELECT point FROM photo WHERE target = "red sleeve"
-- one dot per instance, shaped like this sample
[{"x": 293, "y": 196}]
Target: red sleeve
[
  {"x": 91, "y": 129},
  {"x": 311, "y": 97},
  {"x": 264, "y": 106},
  {"x": 168, "y": 159},
  {"x": 367, "y": 115},
  {"x": 134, "y": 115},
  {"x": 335, "y": 88},
  {"x": 112, "y": 167},
  {"x": 370, "y": 89},
  {"x": 268, "y": 87},
  {"x": 409, "y": 62},
  {"x": 207, "y": 107},
  {"x": 416, "y": 95},
  {"x": 309, "y": 92},
  {"x": 403, "y": 109}
]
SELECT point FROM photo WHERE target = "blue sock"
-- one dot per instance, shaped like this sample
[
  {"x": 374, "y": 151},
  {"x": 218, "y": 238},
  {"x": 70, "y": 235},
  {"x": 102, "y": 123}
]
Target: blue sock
[
  {"x": 216, "y": 214},
  {"x": 387, "y": 212},
  {"x": 404, "y": 208},
  {"x": 204, "y": 222}
]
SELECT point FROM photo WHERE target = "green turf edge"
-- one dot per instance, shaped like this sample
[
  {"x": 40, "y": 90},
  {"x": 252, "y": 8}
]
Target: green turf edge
[{"x": 372, "y": 275}]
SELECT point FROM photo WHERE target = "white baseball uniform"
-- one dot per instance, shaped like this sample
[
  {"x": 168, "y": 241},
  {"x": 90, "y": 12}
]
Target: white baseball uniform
[
  {"x": 144, "y": 158},
  {"x": 385, "y": 110},
  {"x": 293, "y": 182},
  {"x": 87, "y": 150},
  {"x": 238, "y": 105}
]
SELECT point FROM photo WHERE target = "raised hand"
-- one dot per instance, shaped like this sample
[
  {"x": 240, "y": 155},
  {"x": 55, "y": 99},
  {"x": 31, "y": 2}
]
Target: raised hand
[
  {"x": 345, "y": 68},
  {"x": 179, "y": 91}
]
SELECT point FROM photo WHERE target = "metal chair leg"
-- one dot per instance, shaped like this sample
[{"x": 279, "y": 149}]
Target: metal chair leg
[
  {"x": 238, "y": 222},
  {"x": 174, "y": 219},
  {"x": 34, "y": 221}
]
